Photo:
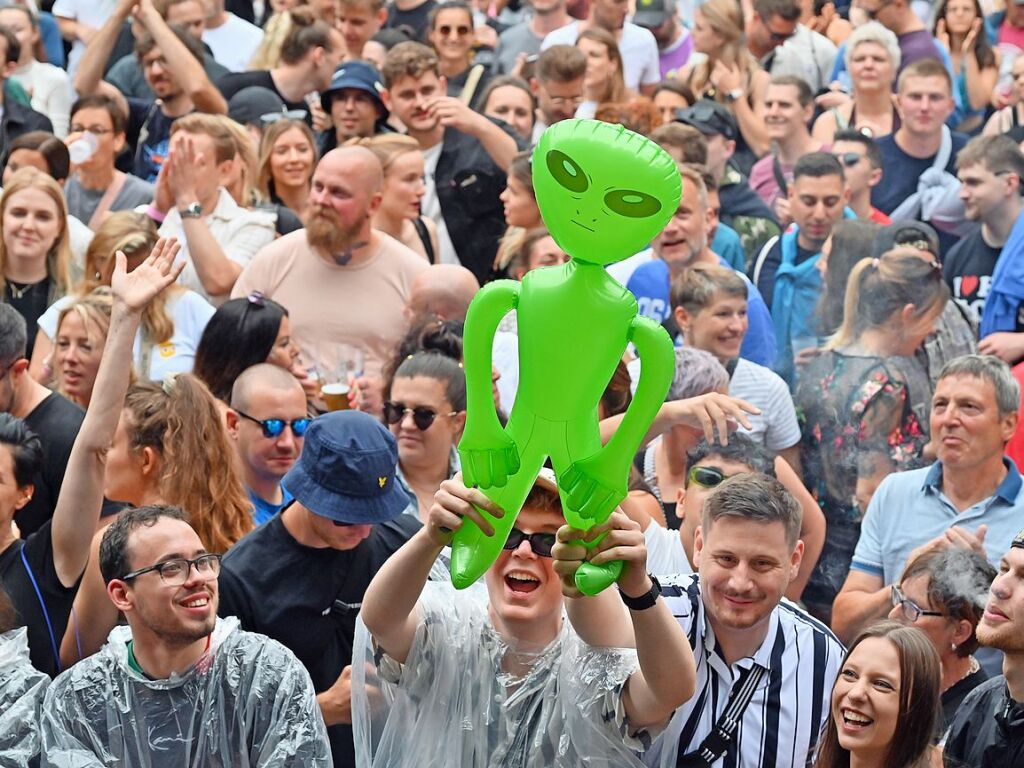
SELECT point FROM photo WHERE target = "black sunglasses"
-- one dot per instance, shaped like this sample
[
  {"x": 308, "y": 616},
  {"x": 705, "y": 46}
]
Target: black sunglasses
[
  {"x": 540, "y": 543},
  {"x": 706, "y": 477},
  {"x": 422, "y": 416},
  {"x": 848, "y": 159},
  {"x": 274, "y": 427}
]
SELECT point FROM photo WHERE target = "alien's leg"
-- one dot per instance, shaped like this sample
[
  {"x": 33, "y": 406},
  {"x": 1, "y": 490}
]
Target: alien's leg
[
  {"x": 472, "y": 551},
  {"x": 579, "y": 440}
]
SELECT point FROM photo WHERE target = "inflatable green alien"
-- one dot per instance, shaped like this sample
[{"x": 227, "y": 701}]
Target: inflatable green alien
[{"x": 604, "y": 193}]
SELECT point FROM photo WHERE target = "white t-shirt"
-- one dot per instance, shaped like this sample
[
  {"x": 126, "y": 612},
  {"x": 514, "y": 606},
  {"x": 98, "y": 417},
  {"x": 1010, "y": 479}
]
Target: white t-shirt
[
  {"x": 640, "y": 63},
  {"x": 776, "y": 426},
  {"x": 234, "y": 42},
  {"x": 431, "y": 206},
  {"x": 50, "y": 90},
  {"x": 190, "y": 313},
  {"x": 92, "y": 13},
  {"x": 665, "y": 553}
]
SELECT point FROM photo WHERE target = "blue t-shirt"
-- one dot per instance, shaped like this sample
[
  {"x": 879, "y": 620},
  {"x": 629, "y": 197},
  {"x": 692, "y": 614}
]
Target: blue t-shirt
[
  {"x": 650, "y": 285},
  {"x": 729, "y": 248},
  {"x": 264, "y": 510}
]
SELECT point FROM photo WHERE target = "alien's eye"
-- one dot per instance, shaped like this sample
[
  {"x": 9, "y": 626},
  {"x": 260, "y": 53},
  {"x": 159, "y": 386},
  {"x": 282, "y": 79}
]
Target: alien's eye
[
  {"x": 635, "y": 205},
  {"x": 567, "y": 172}
]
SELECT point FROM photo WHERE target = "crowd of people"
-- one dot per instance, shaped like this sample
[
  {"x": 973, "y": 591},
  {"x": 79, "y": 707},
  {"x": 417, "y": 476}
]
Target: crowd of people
[{"x": 238, "y": 243}]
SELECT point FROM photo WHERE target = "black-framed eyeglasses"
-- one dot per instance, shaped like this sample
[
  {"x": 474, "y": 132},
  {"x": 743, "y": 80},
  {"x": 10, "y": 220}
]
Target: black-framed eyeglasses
[
  {"x": 285, "y": 114},
  {"x": 422, "y": 416},
  {"x": 540, "y": 543},
  {"x": 274, "y": 427},
  {"x": 97, "y": 130},
  {"x": 175, "y": 572},
  {"x": 706, "y": 477},
  {"x": 849, "y": 159},
  {"x": 910, "y": 609}
]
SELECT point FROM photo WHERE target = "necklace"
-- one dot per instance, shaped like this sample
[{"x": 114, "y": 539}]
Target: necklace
[{"x": 18, "y": 290}]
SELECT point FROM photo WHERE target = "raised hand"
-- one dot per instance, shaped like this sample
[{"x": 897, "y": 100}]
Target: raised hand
[
  {"x": 134, "y": 290},
  {"x": 452, "y": 503}
]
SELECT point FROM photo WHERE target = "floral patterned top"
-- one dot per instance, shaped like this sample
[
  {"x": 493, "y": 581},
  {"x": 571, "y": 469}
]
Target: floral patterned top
[{"x": 863, "y": 417}]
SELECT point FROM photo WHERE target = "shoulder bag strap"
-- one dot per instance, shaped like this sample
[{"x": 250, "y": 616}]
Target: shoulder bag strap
[
  {"x": 717, "y": 742},
  {"x": 780, "y": 177}
]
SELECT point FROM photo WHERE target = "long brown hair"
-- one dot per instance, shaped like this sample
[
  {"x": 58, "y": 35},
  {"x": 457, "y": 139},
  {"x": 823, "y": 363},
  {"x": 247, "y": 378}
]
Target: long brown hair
[
  {"x": 920, "y": 675},
  {"x": 179, "y": 419},
  {"x": 58, "y": 260},
  {"x": 134, "y": 234},
  {"x": 616, "y": 90}
]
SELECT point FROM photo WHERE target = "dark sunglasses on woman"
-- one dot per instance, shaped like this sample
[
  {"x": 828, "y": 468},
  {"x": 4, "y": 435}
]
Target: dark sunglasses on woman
[{"x": 422, "y": 416}]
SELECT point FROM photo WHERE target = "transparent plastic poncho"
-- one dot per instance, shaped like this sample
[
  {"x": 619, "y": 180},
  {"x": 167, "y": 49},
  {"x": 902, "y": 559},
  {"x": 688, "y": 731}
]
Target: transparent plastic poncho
[
  {"x": 466, "y": 698},
  {"x": 22, "y": 688},
  {"x": 247, "y": 702}
]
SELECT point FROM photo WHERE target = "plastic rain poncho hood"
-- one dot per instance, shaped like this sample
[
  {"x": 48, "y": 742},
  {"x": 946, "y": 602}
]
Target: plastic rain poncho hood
[
  {"x": 465, "y": 698},
  {"x": 246, "y": 702},
  {"x": 22, "y": 688}
]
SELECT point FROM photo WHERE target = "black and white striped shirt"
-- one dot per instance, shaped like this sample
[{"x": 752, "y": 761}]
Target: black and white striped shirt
[{"x": 782, "y": 724}]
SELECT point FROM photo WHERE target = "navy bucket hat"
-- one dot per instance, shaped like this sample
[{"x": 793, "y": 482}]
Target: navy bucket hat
[{"x": 346, "y": 471}]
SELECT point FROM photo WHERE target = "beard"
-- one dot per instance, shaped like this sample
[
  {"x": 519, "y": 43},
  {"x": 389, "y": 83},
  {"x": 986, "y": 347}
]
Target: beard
[{"x": 326, "y": 231}]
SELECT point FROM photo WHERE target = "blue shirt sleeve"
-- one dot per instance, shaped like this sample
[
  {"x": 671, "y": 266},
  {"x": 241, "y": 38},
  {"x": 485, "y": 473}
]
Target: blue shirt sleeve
[
  {"x": 868, "y": 557},
  {"x": 759, "y": 343},
  {"x": 649, "y": 285},
  {"x": 729, "y": 248}
]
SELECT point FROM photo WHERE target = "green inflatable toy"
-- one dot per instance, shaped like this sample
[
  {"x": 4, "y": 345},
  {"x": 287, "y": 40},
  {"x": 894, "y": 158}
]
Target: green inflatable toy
[{"x": 604, "y": 193}]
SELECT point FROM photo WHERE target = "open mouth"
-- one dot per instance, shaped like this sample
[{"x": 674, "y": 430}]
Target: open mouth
[
  {"x": 521, "y": 582},
  {"x": 855, "y": 720}
]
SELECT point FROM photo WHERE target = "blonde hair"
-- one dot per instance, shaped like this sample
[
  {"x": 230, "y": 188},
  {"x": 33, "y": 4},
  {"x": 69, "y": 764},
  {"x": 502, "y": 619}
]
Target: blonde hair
[
  {"x": 387, "y": 147},
  {"x": 275, "y": 32},
  {"x": 273, "y": 132},
  {"x": 878, "y": 288},
  {"x": 725, "y": 17},
  {"x": 58, "y": 260},
  {"x": 134, "y": 234},
  {"x": 179, "y": 419},
  {"x": 94, "y": 309},
  {"x": 245, "y": 154},
  {"x": 616, "y": 88}
]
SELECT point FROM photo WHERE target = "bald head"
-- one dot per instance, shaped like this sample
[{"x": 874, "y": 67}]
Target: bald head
[
  {"x": 357, "y": 163},
  {"x": 443, "y": 292},
  {"x": 262, "y": 377}
]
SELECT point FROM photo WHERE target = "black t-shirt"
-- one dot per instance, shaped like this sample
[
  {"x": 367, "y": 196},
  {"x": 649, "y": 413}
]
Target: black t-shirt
[
  {"x": 233, "y": 82},
  {"x": 31, "y": 300},
  {"x": 149, "y": 131},
  {"x": 307, "y": 599},
  {"x": 414, "y": 18},
  {"x": 56, "y": 422},
  {"x": 968, "y": 269},
  {"x": 15, "y": 579}
]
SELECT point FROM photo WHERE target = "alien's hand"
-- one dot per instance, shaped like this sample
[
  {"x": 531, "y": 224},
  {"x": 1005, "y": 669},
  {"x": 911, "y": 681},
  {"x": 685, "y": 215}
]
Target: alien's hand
[
  {"x": 488, "y": 456},
  {"x": 589, "y": 490}
]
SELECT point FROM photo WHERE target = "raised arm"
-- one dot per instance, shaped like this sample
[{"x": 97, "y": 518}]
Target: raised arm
[
  {"x": 389, "y": 605},
  {"x": 713, "y": 414},
  {"x": 453, "y": 113},
  {"x": 81, "y": 494},
  {"x": 89, "y": 78},
  {"x": 187, "y": 70}
]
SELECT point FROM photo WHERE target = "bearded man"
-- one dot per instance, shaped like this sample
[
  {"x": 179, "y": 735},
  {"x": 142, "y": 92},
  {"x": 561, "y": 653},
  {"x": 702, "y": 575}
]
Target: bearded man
[{"x": 343, "y": 282}]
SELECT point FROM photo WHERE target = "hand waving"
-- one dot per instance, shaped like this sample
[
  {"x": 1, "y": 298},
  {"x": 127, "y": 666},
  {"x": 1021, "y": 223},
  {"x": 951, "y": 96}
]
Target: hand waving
[{"x": 134, "y": 290}]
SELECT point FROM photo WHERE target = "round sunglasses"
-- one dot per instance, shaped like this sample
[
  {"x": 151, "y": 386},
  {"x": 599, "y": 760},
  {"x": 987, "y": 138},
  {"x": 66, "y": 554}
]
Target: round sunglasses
[
  {"x": 540, "y": 543},
  {"x": 274, "y": 427},
  {"x": 422, "y": 416}
]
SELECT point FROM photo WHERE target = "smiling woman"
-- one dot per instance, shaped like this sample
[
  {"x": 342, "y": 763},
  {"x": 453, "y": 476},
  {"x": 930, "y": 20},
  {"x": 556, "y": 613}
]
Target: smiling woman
[{"x": 885, "y": 701}]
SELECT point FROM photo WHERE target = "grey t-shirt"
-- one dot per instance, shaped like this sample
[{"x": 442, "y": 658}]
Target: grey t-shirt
[
  {"x": 513, "y": 41},
  {"x": 82, "y": 202}
]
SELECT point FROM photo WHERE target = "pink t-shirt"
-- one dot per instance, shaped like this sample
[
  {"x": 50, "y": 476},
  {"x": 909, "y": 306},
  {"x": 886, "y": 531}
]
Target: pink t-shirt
[{"x": 328, "y": 305}]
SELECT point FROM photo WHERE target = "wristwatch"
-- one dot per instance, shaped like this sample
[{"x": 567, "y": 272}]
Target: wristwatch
[
  {"x": 191, "y": 211},
  {"x": 734, "y": 95},
  {"x": 644, "y": 601}
]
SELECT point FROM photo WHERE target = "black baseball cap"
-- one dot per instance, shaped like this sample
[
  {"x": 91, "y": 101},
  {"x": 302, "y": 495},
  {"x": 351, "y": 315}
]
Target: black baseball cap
[
  {"x": 653, "y": 13},
  {"x": 710, "y": 118}
]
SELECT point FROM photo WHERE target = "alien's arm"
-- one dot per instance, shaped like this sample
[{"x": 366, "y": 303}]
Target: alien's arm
[
  {"x": 655, "y": 349},
  {"x": 491, "y": 304}
]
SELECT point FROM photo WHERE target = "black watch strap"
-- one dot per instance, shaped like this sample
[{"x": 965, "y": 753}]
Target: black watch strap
[{"x": 644, "y": 601}]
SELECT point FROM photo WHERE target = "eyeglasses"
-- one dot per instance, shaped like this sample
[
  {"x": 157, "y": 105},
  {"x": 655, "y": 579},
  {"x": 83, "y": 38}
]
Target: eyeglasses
[
  {"x": 422, "y": 416},
  {"x": 285, "y": 114},
  {"x": 706, "y": 477},
  {"x": 540, "y": 543},
  {"x": 97, "y": 130},
  {"x": 777, "y": 37},
  {"x": 447, "y": 29},
  {"x": 849, "y": 159},
  {"x": 175, "y": 572},
  {"x": 274, "y": 427},
  {"x": 911, "y": 610}
]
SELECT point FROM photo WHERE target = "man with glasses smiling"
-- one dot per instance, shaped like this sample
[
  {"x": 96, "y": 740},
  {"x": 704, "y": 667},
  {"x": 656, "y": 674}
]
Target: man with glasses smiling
[
  {"x": 177, "y": 681},
  {"x": 300, "y": 578}
]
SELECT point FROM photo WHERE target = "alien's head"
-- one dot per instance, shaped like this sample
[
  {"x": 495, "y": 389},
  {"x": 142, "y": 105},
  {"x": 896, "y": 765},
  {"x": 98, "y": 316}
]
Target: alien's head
[{"x": 604, "y": 192}]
